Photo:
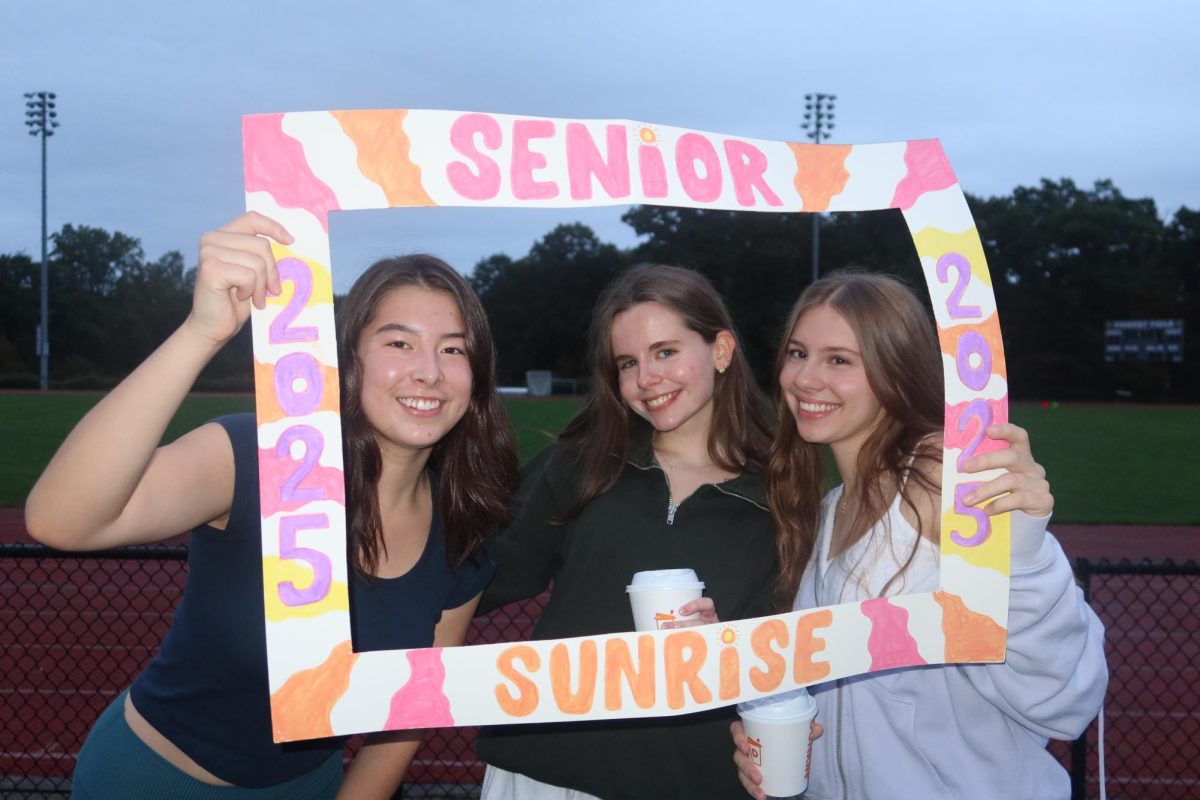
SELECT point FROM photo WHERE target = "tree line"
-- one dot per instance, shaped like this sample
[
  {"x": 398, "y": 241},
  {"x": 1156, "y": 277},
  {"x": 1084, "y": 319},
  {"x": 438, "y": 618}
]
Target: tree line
[
  {"x": 1064, "y": 261},
  {"x": 109, "y": 307}
]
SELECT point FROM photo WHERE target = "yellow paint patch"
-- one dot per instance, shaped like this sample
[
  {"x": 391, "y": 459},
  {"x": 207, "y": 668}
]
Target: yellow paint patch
[
  {"x": 276, "y": 571},
  {"x": 993, "y": 554},
  {"x": 935, "y": 243},
  {"x": 322, "y": 280},
  {"x": 266, "y": 404}
]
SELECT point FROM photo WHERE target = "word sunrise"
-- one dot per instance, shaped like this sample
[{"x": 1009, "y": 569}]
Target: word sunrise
[{"x": 577, "y": 670}]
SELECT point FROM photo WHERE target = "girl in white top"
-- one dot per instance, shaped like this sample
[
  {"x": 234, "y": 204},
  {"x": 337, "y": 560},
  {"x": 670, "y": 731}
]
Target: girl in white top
[{"x": 860, "y": 372}]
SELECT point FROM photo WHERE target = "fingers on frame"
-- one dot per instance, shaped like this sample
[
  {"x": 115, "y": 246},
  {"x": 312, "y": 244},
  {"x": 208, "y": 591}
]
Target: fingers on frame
[
  {"x": 256, "y": 224},
  {"x": 240, "y": 280},
  {"x": 252, "y": 253},
  {"x": 1037, "y": 504},
  {"x": 247, "y": 231},
  {"x": 1015, "y": 435},
  {"x": 1014, "y": 461}
]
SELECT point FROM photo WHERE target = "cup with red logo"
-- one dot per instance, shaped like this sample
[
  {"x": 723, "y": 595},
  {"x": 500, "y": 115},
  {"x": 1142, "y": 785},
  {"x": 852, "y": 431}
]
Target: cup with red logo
[
  {"x": 778, "y": 731},
  {"x": 656, "y": 595}
]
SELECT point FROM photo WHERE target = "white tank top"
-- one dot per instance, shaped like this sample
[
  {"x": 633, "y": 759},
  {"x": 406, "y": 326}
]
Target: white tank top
[{"x": 861, "y": 572}]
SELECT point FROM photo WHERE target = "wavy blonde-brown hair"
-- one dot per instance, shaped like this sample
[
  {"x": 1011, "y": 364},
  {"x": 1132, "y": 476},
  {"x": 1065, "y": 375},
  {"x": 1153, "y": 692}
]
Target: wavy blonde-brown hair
[{"x": 898, "y": 343}]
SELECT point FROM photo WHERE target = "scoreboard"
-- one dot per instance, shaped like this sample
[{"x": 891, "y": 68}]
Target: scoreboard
[{"x": 1143, "y": 340}]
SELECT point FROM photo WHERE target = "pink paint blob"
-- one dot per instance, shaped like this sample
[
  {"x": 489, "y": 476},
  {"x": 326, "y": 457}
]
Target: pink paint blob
[
  {"x": 422, "y": 702},
  {"x": 273, "y": 471},
  {"x": 928, "y": 171},
  {"x": 966, "y": 425},
  {"x": 890, "y": 644},
  {"x": 274, "y": 163}
]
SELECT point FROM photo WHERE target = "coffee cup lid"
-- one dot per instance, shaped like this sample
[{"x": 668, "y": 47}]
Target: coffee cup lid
[
  {"x": 791, "y": 705},
  {"x": 664, "y": 579}
]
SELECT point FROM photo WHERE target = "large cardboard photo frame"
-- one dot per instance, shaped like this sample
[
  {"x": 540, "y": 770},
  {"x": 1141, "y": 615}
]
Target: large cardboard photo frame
[{"x": 299, "y": 167}]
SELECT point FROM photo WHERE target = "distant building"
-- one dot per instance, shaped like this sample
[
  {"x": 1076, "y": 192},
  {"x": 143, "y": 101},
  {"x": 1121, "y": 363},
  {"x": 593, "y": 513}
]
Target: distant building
[{"x": 1143, "y": 340}]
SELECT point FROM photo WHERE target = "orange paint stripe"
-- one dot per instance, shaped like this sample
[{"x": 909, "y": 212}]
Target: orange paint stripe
[
  {"x": 970, "y": 636},
  {"x": 989, "y": 329},
  {"x": 301, "y": 707},
  {"x": 383, "y": 148},
  {"x": 820, "y": 172},
  {"x": 266, "y": 404}
]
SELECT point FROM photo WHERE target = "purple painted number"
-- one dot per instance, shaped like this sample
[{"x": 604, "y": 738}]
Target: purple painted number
[
  {"x": 314, "y": 443},
  {"x": 983, "y": 523},
  {"x": 954, "y": 302},
  {"x": 280, "y": 331},
  {"x": 288, "y": 370},
  {"x": 979, "y": 410},
  {"x": 974, "y": 377},
  {"x": 321, "y": 566}
]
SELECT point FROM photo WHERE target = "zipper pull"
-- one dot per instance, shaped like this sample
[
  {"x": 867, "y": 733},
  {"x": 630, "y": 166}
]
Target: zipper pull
[{"x": 671, "y": 509}]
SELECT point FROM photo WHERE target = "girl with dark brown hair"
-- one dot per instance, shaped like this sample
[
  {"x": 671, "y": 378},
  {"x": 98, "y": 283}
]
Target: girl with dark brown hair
[
  {"x": 659, "y": 470},
  {"x": 429, "y": 465},
  {"x": 858, "y": 373}
]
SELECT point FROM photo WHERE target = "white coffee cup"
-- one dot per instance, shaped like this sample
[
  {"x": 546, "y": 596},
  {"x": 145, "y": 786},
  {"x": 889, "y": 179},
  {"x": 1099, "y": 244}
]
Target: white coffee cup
[
  {"x": 656, "y": 595},
  {"x": 778, "y": 729}
]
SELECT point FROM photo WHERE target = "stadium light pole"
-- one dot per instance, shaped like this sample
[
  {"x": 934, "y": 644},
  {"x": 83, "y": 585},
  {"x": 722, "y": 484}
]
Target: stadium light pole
[
  {"x": 41, "y": 119},
  {"x": 818, "y": 122}
]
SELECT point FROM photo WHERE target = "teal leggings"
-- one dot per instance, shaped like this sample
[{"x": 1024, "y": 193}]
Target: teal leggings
[{"x": 115, "y": 763}]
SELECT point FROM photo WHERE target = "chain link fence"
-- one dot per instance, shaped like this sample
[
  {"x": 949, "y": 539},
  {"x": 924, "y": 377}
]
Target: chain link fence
[
  {"x": 78, "y": 627},
  {"x": 1151, "y": 716}
]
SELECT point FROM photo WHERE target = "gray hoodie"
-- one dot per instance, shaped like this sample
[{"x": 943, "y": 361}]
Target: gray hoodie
[{"x": 959, "y": 731}]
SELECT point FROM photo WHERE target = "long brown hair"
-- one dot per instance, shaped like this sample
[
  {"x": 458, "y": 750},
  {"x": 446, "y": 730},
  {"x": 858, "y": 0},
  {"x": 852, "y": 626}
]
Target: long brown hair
[
  {"x": 476, "y": 461},
  {"x": 898, "y": 343},
  {"x": 740, "y": 434}
]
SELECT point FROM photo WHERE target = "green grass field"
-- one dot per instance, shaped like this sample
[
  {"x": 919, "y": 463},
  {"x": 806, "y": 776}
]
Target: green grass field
[{"x": 1107, "y": 464}]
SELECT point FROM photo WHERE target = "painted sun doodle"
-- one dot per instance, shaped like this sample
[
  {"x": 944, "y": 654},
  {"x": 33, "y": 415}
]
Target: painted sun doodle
[{"x": 299, "y": 167}]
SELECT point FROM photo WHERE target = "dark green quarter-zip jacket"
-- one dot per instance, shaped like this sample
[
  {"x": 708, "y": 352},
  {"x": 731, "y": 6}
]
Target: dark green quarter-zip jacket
[{"x": 722, "y": 531}]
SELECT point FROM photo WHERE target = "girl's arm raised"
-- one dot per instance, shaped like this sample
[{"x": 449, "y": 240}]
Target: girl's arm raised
[{"x": 109, "y": 484}]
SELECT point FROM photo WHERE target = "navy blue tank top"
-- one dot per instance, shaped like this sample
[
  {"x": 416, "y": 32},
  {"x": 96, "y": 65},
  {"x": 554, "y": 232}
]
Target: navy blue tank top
[{"x": 207, "y": 691}]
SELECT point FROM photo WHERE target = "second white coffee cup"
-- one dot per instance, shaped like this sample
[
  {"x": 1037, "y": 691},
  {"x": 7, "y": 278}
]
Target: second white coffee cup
[
  {"x": 656, "y": 595},
  {"x": 778, "y": 729}
]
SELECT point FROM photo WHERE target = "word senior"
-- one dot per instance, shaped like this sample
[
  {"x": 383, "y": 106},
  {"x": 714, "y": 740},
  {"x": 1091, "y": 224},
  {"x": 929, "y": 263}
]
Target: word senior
[{"x": 689, "y": 166}]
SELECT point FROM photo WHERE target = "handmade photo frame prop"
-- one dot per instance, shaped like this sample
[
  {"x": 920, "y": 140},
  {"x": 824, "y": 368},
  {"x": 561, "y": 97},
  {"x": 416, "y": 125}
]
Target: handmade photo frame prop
[{"x": 301, "y": 166}]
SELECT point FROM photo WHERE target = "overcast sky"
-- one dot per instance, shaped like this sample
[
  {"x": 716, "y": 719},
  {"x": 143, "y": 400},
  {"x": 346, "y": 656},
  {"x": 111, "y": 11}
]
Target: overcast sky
[{"x": 150, "y": 96}]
